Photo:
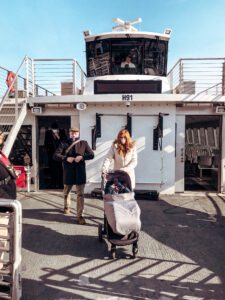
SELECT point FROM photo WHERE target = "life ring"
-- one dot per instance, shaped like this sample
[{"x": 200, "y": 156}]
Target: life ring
[{"x": 10, "y": 78}]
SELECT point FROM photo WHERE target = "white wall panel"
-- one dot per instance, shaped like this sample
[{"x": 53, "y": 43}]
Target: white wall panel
[{"x": 148, "y": 172}]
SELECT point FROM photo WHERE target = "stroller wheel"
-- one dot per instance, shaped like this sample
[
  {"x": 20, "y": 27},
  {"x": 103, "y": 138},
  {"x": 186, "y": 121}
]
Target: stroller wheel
[
  {"x": 113, "y": 251},
  {"x": 100, "y": 232}
]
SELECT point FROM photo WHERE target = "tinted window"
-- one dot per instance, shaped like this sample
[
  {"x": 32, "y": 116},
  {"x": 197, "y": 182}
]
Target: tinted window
[
  {"x": 98, "y": 58},
  {"x": 127, "y": 56}
]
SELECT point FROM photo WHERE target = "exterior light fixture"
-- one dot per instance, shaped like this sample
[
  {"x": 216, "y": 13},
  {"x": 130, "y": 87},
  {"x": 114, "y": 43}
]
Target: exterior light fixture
[
  {"x": 87, "y": 32},
  {"x": 220, "y": 109},
  {"x": 36, "y": 110},
  {"x": 167, "y": 31},
  {"x": 81, "y": 106}
]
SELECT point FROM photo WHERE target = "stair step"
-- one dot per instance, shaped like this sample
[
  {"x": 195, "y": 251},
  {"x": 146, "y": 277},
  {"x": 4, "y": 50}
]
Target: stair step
[
  {"x": 5, "y": 272},
  {"x": 11, "y": 105},
  {"x": 5, "y": 250},
  {"x": 4, "y": 296},
  {"x": 7, "y": 123},
  {"x": 2, "y": 283}
]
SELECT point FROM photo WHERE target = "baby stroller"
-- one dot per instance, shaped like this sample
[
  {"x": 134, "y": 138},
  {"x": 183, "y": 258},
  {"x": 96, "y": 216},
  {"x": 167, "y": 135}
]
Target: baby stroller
[{"x": 121, "y": 212}]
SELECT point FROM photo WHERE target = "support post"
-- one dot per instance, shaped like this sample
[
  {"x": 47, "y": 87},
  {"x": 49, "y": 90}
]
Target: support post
[
  {"x": 74, "y": 77},
  {"x": 181, "y": 77},
  {"x": 16, "y": 99},
  {"x": 27, "y": 78},
  {"x": 33, "y": 79},
  {"x": 223, "y": 80}
]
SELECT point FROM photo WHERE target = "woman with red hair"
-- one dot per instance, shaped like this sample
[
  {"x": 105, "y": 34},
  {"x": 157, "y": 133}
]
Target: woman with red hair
[{"x": 123, "y": 152}]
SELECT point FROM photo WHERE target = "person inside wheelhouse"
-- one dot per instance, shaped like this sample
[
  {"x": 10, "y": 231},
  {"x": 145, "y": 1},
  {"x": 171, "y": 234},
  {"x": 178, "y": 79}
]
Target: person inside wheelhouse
[
  {"x": 127, "y": 64},
  {"x": 142, "y": 56}
]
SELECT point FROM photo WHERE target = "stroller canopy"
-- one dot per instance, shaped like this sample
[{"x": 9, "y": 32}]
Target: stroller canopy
[{"x": 122, "y": 177}]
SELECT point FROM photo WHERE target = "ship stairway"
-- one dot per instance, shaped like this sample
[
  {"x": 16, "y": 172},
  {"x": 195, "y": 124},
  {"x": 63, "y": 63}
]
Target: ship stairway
[
  {"x": 11, "y": 118},
  {"x": 35, "y": 78},
  {"x": 13, "y": 101}
]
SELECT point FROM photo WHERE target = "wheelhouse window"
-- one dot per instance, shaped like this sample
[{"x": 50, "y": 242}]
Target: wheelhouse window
[
  {"x": 127, "y": 56},
  {"x": 131, "y": 56},
  {"x": 98, "y": 58},
  {"x": 155, "y": 57}
]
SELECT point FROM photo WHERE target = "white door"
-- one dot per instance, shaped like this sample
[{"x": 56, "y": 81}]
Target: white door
[
  {"x": 110, "y": 126},
  {"x": 148, "y": 170}
]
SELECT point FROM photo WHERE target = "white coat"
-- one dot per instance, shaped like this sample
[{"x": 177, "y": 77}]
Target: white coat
[{"x": 125, "y": 163}]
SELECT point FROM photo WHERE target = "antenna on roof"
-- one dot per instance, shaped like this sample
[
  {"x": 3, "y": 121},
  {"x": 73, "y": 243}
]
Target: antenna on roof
[{"x": 126, "y": 26}]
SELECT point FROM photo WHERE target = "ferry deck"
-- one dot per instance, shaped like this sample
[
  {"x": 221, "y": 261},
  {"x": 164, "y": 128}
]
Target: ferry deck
[
  {"x": 176, "y": 117},
  {"x": 177, "y": 120}
]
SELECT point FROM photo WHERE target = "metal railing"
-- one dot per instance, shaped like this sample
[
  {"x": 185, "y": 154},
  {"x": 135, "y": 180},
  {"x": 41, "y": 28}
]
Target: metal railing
[
  {"x": 23, "y": 82},
  {"x": 60, "y": 76},
  {"x": 35, "y": 78},
  {"x": 16, "y": 82},
  {"x": 21, "y": 87},
  {"x": 10, "y": 249},
  {"x": 204, "y": 76}
]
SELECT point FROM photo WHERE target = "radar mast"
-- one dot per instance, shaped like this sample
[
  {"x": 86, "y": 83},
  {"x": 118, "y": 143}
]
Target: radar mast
[{"x": 125, "y": 26}]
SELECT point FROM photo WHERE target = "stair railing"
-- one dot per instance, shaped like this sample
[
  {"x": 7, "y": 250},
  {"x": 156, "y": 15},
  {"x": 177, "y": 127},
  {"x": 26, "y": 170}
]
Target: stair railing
[{"x": 12, "y": 83}]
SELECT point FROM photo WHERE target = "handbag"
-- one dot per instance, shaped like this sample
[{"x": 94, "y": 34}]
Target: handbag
[{"x": 10, "y": 169}]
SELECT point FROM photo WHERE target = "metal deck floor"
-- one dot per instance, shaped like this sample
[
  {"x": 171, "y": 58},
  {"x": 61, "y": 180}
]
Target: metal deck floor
[{"x": 181, "y": 251}]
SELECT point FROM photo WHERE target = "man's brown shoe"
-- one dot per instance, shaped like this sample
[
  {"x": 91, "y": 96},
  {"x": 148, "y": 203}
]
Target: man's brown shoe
[
  {"x": 66, "y": 211},
  {"x": 81, "y": 220}
]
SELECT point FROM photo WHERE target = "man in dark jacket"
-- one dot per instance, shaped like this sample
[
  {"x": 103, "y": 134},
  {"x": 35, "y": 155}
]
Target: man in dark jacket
[
  {"x": 73, "y": 154},
  {"x": 7, "y": 175},
  {"x": 53, "y": 138}
]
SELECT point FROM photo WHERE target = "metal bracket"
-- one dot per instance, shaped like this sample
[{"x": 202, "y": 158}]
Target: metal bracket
[
  {"x": 128, "y": 127},
  {"x": 158, "y": 132},
  {"x": 98, "y": 125},
  {"x": 96, "y": 131}
]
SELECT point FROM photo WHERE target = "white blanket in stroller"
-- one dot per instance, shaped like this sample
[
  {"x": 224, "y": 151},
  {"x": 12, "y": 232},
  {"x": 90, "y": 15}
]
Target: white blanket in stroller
[{"x": 122, "y": 213}]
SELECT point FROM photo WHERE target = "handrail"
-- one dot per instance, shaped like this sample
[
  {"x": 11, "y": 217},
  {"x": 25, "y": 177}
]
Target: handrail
[
  {"x": 61, "y": 76},
  {"x": 59, "y": 59},
  {"x": 27, "y": 81},
  {"x": 211, "y": 87},
  {"x": 81, "y": 68},
  {"x": 174, "y": 66},
  {"x": 12, "y": 83},
  {"x": 53, "y": 59},
  {"x": 217, "y": 58},
  {"x": 197, "y": 76},
  {"x": 47, "y": 77},
  {"x": 202, "y": 58}
]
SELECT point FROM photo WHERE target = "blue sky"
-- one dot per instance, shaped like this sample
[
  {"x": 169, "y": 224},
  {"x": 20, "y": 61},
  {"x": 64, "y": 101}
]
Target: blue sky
[{"x": 54, "y": 28}]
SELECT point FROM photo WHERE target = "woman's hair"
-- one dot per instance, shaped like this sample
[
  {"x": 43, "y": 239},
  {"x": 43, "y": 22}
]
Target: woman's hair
[{"x": 124, "y": 149}]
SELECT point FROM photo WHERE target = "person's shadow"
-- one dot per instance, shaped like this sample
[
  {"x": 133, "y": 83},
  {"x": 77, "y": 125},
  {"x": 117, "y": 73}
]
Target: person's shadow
[{"x": 46, "y": 241}]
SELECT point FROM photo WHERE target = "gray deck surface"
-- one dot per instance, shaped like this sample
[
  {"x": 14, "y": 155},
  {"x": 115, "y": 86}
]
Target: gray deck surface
[{"x": 181, "y": 251}]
